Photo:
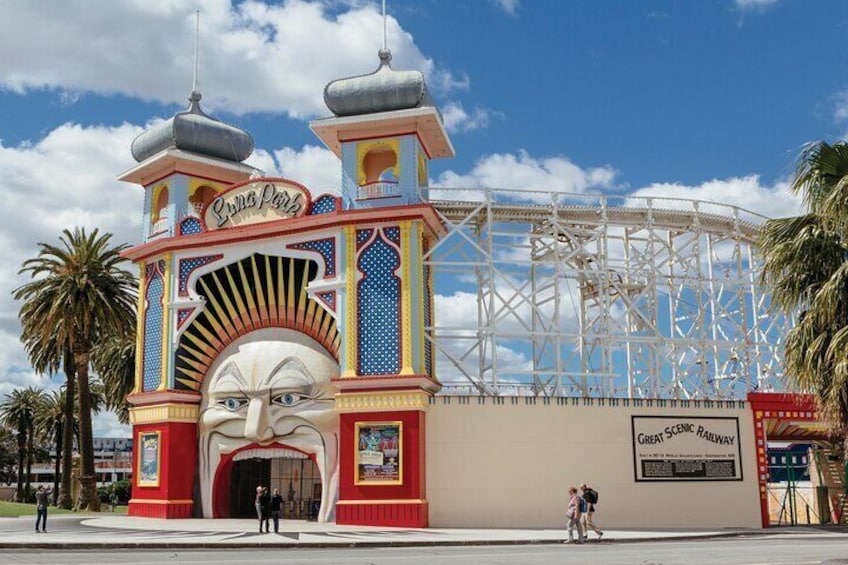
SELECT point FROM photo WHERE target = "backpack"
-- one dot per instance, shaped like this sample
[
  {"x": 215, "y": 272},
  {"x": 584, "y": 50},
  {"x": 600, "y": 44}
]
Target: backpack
[{"x": 591, "y": 495}]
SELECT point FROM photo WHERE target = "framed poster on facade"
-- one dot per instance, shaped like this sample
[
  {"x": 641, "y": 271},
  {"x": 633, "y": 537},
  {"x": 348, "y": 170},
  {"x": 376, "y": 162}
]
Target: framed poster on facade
[
  {"x": 378, "y": 453},
  {"x": 149, "y": 458},
  {"x": 686, "y": 448}
]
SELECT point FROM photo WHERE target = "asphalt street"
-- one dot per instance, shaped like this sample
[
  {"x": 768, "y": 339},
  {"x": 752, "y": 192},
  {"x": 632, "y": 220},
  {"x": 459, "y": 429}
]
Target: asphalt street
[{"x": 788, "y": 549}]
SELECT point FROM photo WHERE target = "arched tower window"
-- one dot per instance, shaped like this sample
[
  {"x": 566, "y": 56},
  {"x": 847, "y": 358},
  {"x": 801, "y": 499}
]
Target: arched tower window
[
  {"x": 379, "y": 164},
  {"x": 200, "y": 197},
  {"x": 159, "y": 212}
]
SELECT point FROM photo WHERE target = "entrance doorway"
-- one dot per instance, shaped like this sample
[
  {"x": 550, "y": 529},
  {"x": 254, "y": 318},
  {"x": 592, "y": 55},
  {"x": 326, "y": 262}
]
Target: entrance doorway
[
  {"x": 801, "y": 477},
  {"x": 246, "y": 476},
  {"x": 297, "y": 478}
]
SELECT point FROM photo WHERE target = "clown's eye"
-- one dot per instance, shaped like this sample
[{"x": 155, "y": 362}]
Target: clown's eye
[
  {"x": 232, "y": 404},
  {"x": 289, "y": 399}
]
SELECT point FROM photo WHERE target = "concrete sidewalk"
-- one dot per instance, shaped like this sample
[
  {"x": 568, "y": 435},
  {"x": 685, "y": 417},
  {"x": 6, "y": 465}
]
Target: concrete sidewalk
[{"x": 78, "y": 532}]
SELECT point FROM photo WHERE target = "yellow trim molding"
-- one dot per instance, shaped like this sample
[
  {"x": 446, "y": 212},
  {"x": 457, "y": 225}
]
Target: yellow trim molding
[
  {"x": 357, "y": 480},
  {"x": 420, "y": 285},
  {"x": 140, "y": 459},
  {"x": 170, "y": 412},
  {"x": 139, "y": 325},
  {"x": 350, "y": 342},
  {"x": 382, "y": 401},
  {"x": 362, "y": 149},
  {"x": 405, "y": 301},
  {"x": 166, "y": 323}
]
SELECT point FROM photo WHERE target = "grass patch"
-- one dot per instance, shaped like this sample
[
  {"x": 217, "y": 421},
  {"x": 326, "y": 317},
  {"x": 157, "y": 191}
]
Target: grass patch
[{"x": 15, "y": 509}]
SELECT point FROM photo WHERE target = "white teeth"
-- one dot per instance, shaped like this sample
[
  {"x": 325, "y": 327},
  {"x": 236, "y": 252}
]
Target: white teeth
[{"x": 268, "y": 453}]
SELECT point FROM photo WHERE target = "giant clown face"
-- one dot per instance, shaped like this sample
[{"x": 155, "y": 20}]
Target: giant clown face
[{"x": 268, "y": 393}]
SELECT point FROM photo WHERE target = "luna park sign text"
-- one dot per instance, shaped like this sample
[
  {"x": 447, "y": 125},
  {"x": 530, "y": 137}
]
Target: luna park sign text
[{"x": 257, "y": 201}]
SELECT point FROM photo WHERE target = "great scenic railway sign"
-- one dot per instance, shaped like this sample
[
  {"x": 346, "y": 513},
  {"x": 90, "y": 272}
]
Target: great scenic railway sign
[{"x": 257, "y": 201}]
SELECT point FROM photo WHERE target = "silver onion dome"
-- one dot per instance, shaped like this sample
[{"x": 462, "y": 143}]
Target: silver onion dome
[
  {"x": 194, "y": 131},
  {"x": 383, "y": 90}
]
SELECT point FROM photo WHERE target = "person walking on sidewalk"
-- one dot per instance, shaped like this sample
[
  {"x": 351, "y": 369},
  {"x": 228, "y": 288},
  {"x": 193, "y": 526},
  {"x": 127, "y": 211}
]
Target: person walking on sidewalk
[
  {"x": 590, "y": 495},
  {"x": 41, "y": 508},
  {"x": 573, "y": 515},
  {"x": 276, "y": 507}
]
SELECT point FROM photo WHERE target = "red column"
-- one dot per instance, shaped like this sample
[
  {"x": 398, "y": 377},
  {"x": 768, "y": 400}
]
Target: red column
[
  {"x": 164, "y": 453},
  {"x": 401, "y": 505},
  {"x": 170, "y": 494}
]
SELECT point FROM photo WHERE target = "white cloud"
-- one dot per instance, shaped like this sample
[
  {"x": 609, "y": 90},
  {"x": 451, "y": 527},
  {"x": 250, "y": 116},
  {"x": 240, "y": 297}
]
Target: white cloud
[
  {"x": 106, "y": 424},
  {"x": 315, "y": 167},
  {"x": 512, "y": 172},
  {"x": 754, "y": 5},
  {"x": 745, "y": 192},
  {"x": 508, "y": 6},
  {"x": 457, "y": 120},
  {"x": 254, "y": 57}
]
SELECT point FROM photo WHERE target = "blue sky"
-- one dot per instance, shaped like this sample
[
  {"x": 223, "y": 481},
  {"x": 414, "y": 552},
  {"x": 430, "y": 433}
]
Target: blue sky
[{"x": 701, "y": 99}]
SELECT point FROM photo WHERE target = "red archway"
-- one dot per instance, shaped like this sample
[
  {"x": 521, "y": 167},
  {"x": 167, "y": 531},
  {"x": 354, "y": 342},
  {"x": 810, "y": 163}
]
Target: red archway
[{"x": 781, "y": 417}]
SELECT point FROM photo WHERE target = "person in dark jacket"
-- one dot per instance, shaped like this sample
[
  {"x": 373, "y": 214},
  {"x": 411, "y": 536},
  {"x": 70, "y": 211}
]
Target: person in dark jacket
[
  {"x": 590, "y": 495},
  {"x": 264, "y": 509},
  {"x": 276, "y": 507},
  {"x": 41, "y": 508}
]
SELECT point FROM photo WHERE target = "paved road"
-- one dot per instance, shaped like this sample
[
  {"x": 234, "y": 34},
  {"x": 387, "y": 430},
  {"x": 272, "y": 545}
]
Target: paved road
[{"x": 789, "y": 549}]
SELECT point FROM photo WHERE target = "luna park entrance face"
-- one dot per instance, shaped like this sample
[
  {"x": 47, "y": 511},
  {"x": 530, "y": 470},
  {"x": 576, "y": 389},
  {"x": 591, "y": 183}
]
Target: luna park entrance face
[{"x": 298, "y": 481}]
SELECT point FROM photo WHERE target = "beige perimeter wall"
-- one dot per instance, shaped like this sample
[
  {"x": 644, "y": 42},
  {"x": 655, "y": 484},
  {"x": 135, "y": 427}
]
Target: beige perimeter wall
[{"x": 507, "y": 463}]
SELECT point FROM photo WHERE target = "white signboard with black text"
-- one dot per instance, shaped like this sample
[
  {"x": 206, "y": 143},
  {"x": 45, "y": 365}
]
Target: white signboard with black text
[{"x": 686, "y": 448}]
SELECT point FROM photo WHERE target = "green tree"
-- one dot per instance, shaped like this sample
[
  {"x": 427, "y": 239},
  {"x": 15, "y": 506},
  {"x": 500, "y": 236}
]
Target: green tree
[
  {"x": 50, "y": 423},
  {"x": 114, "y": 361},
  {"x": 78, "y": 295},
  {"x": 48, "y": 355},
  {"x": 18, "y": 411},
  {"x": 8, "y": 455},
  {"x": 51, "y": 428},
  {"x": 806, "y": 270}
]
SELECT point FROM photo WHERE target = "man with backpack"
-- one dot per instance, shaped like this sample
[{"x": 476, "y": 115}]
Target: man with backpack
[{"x": 590, "y": 495}]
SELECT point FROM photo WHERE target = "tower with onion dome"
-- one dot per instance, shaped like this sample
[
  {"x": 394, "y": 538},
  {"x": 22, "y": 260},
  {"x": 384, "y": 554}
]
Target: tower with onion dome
[
  {"x": 183, "y": 163},
  {"x": 386, "y": 130}
]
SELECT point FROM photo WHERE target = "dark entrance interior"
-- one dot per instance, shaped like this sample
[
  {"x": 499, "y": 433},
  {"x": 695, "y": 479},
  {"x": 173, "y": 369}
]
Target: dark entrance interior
[
  {"x": 246, "y": 476},
  {"x": 298, "y": 480}
]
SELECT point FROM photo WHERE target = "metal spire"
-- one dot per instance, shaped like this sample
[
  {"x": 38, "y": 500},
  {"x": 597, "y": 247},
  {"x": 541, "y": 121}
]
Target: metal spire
[
  {"x": 194, "y": 90},
  {"x": 385, "y": 39}
]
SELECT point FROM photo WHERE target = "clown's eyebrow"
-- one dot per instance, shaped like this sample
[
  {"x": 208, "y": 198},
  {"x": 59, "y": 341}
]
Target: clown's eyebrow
[
  {"x": 295, "y": 365},
  {"x": 230, "y": 371}
]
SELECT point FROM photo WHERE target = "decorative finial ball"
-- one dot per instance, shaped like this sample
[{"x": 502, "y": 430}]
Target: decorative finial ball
[{"x": 385, "y": 56}]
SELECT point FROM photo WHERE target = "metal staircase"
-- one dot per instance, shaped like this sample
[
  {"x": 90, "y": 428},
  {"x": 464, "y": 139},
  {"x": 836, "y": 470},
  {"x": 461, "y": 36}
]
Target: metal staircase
[{"x": 831, "y": 472}]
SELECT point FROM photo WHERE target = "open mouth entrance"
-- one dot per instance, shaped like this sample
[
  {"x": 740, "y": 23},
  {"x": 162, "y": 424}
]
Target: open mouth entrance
[{"x": 295, "y": 475}]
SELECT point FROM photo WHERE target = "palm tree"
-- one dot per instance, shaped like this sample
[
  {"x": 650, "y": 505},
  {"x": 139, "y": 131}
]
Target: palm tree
[
  {"x": 18, "y": 411},
  {"x": 806, "y": 270},
  {"x": 50, "y": 422},
  {"x": 78, "y": 294},
  {"x": 114, "y": 361},
  {"x": 48, "y": 355}
]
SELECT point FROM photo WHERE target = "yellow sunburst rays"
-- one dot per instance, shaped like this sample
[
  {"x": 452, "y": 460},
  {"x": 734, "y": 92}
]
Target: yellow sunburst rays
[
  {"x": 290, "y": 299},
  {"x": 246, "y": 302},
  {"x": 281, "y": 293},
  {"x": 231, "y": 312},
  {"x": 243, "y": 314},
  {"x": 305, "y": 307},
  {"x": 273, "y": 315},
  {"x": 261, "y": 305}
]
